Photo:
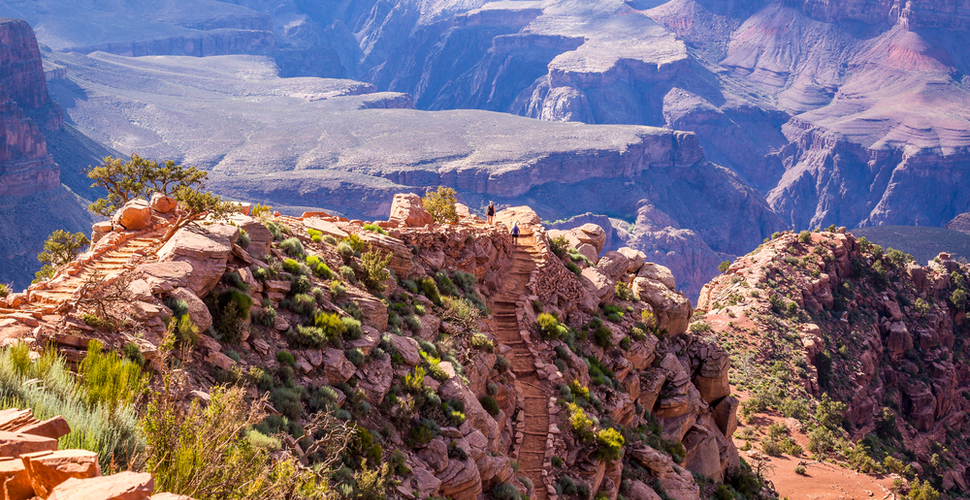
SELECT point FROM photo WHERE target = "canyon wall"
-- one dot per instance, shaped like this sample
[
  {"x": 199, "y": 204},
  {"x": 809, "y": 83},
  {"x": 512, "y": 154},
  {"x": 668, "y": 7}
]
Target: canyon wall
[{"x": 32, "y": 201}]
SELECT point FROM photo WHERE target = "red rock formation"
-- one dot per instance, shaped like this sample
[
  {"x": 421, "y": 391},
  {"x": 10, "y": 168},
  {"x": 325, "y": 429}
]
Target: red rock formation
[{"x": 25, "y": 166}]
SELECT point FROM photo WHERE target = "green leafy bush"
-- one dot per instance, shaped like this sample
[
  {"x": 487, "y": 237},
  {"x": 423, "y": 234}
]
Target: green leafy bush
[
  {"x": 375, "y": 228},
  {"x": 375, "y": 269},
  {"x": 549, "y": 327},
  {"x": 355, "y": 242},
  {"x": 482, "y": 343},
  {"x": 293, "y": 247},
  {"x": 490, "y": 405},
  {"x": 303, "y": 304},
  {"x": 441, "y": 205},
  {"x": 559, "y": 246}
]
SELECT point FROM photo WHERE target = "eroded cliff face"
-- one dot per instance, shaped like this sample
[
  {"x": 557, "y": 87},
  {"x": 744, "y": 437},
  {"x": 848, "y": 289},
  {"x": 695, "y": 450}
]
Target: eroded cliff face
[
  {"x": 828, "y": 314},
  {"x": 32, "y": 201},
  {"x": 25, "y": 166}
]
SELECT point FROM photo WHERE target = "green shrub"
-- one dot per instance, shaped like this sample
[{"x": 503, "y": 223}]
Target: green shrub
[
  {"x": 285, "y": 358},
  {"x": 303, "y": 304},
  {"x": 438, "y": 373},
  {"x": 4, "y": 290},
  {"x": 331, "y": 324},
  {"x": 206, "y": 453},
  {"x": 414, "y": 324},
  {"x": 445, "y": 285},
  {"x": 352, "y": 329},
  {"x": 602, "y": 336},
  {"x": 623, "y": 292},
  {"x": 804, "y": 237},
  {"x": 345, "y": 251},
  {"x": 293, "y": 247},
  {"x": 337, "y": 289},
  {"x": 505, "y": 491},
  {"x": 265, "y": 316},
  {"x": 375, "y": 269},
  {"x": 133, "y": 353},
  {"x": 490, "y": 405},
  {"x": 319, "y": 268},
  {"x": 355, "y": 356},
  {"x": 347, "y": 274},
  {"x": 580, "y": 423},
  {"x": 355, "y": 243},
  {"x": 501, "y": 363},
  {"x": 375, "y": 228},
  {"x": 275, "y": 229},
  {"x": 291, "y": 266},
  {"x": 724, "y": 266},
  {"x": 441, "y": 205},
  {"x": 430, "y": 290},
  {"x": 559, "y": 246},
  {"x": 573, "y": 268},
  {"x": 482, "y": 343},
  {"x": 108, "y": 379},
  {"x": 549, "y": 327}
]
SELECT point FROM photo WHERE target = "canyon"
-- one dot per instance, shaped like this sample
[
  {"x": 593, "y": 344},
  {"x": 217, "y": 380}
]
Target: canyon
[
  {"x": 839, "y": 112},
  {"x": 30, "y": 188}
]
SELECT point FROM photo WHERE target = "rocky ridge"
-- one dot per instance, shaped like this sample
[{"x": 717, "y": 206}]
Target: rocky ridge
[
  {"x": 826, "y": 315},
  {"x": 665, "y": 388},
  {"x": 30, "y": 187}
]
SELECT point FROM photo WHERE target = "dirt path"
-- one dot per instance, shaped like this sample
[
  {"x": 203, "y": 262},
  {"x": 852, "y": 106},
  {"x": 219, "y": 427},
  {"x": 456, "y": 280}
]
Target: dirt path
[{"x": 506, "y": 329}]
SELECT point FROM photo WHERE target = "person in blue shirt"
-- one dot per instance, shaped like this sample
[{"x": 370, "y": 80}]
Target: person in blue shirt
[{"x": 515, "y": 233}]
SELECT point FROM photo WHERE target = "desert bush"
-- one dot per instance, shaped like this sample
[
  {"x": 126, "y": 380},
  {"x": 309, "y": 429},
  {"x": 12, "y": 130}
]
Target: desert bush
[
  {"x": 303, "y": 304},
  {"x": 623, "y": 291},
  {"x": 60, "y": 248},
  {"x": 110, "y": 380},
  {"x": 610, "y": 444},
  {"x": 800, "y": 469},
  {"x": 580, "y": 423},
  {"x": 602, "y": 336},
  {"x": 559, "y": 246},
  {"x": 804, "y": 237},
  {"x": 375, "y": 269},
  {"x": 501, "y": 363},
  {"x": 345, "y": 250},
  {"x": 293, "y": 247},
  {"x": 375, "y": 228},
  {"x": 549, "y": 327},
  {"x": 204, "y": 453},
  {"x": 319, "y": 268},
  {"x": 481, "y": 342},
  {"x": 355, "y": 242},
  {"x": 441, "y": 205},
  {"x": 352, "y": 329},
  {"x": 490, "y": 405},
  {"x": 265, "y": 316},
  {"x": 109, "y": 429},
  {"x": 724, "y": 266},
  {"x": 460, "y": 312}
]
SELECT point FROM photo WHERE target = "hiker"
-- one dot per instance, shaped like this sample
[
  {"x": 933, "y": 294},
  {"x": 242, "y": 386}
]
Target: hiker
[
  {"x": 515, "y": 233},
  {"x": 491, "y": 212}
]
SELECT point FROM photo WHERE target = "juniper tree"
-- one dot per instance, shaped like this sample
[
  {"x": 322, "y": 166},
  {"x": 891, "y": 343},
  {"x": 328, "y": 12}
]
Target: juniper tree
[
  {"x": 60, "y": 248},
  {"x": 139, "y": 177}
]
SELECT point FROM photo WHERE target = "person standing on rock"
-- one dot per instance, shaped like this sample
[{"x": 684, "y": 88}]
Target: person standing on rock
[
  {"x": 515, "y": 233},
  {"x": 491, "y": 212}
]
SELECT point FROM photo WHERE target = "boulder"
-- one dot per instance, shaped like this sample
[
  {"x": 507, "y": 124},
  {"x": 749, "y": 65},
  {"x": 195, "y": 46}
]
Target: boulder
[
  {"x": 407, "y": 348},
  {"x": 461, "y": 480},
  {"x": 712, "y": 379},
  {"x": 47, "y": 469},
  {"x": 206, "y": 249},
  {"x": 588, "y": 251},
  {"x": 592, "y": 234},
  {"x": 635, "y": 258},
  {"x": 640, "y": 491},
  {"x": 326, "y": 227},
  {"x": 475, "y": 416},
  {"x": 599, "y": 285},
  {"x": 703, "y": 453},
  {"x": 14, "y": 482},
  {"x": 198, "y": 312},
  {"x": 659, "y": 273},
  {"x": 671, "y": 309},
  {"x": 133, "y": 216},
  {"x": 163, "y": 277},
  {"x": 525, "y": 216},
  {"x": 726, "y": 415},
  {"x": 435, "y": 454},
  {"x": 259, "y": 236},
  {"x": 613, "y": 264},
  {"x": 408, "y": 210},
  {"x": 15, "y": 444},
  {"x": 427, "y": 484},
  {"x": 401, "y": 257},
  {"x": 51, "y": 428},
  {"x": 337, "y": 367},
  {"x": 221, "y": 361},
  {"x": 899, "y": 340},
  {"x": 374, "y": 311},
  {"x": 375, "y": 378},
  {"x": 121, "y": 486},
  {"x": 163, "y": 204}
]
